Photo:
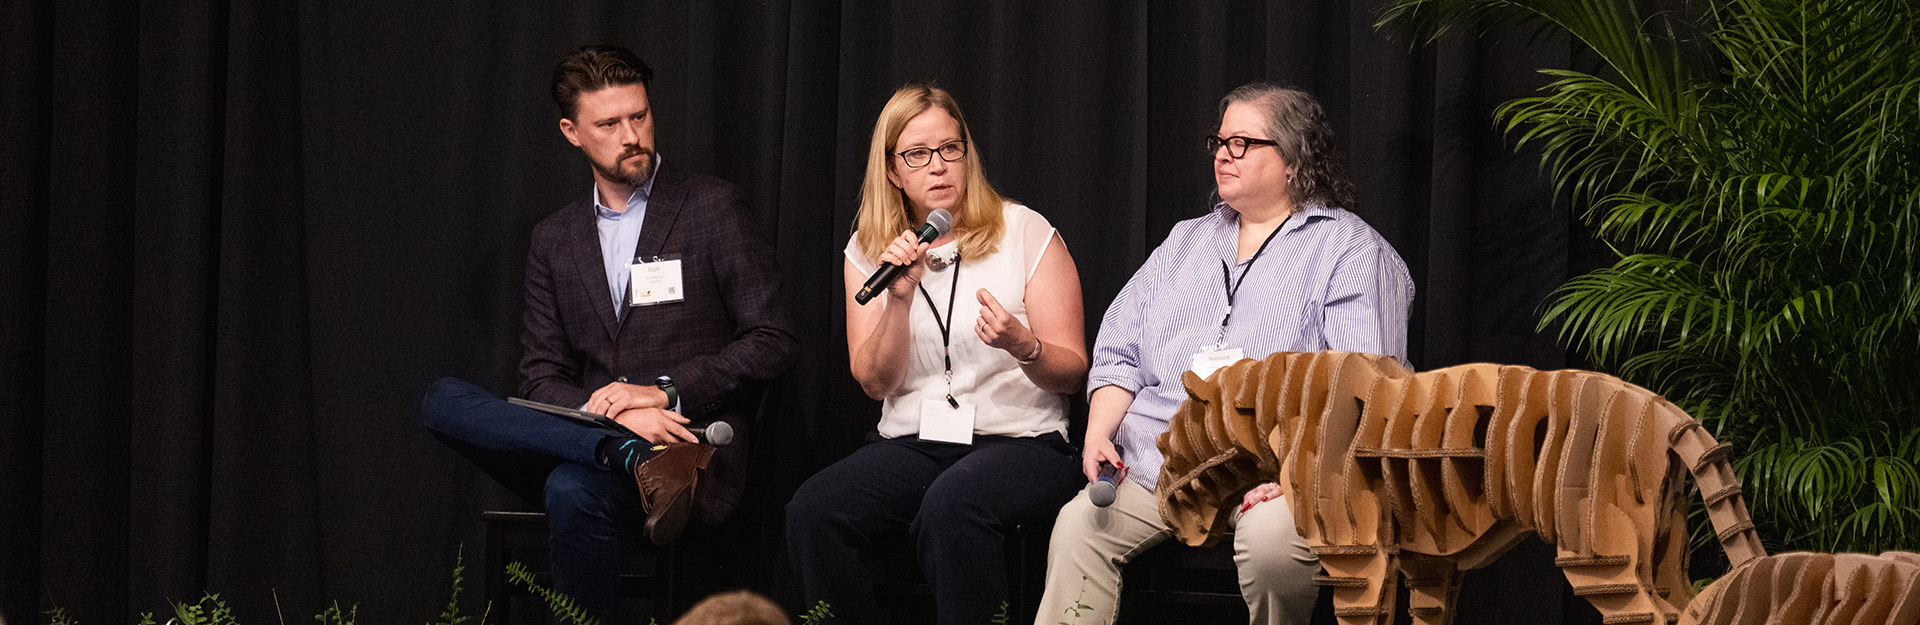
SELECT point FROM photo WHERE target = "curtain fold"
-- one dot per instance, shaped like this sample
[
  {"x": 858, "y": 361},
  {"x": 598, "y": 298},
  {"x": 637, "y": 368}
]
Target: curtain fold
[{"x": 241, "y": 237}]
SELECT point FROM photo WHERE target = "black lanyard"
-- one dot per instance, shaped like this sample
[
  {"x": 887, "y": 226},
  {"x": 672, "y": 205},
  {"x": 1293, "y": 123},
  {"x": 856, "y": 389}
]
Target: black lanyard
[
  {"x": 1233, "y": 287},
  {"x": 946, "y": 327}
]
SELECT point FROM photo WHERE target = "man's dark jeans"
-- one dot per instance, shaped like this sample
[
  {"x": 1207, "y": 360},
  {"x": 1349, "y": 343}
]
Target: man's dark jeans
[{"x": 545, "y": 458}]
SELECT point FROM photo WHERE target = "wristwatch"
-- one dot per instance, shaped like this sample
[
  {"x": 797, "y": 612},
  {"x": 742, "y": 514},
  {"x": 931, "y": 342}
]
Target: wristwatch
[{"x": 673, "y": 394}]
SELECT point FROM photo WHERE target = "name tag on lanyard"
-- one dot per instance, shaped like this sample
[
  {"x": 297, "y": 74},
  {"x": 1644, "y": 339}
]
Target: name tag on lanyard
[
  {"x": 1210, "y": 360},
  {"x": 946, "y": 420},
  {"x": 654, "y": 281},
  {"x": 1214, "y": 357},
  {"x": 946, "y": 423}
]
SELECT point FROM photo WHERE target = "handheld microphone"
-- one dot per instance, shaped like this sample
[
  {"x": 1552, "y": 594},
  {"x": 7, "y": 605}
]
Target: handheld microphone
[
  {"x": 1103, "y": 489},
  {"x": 717, "y": 434},
  {"x": 938, "y": 223}
]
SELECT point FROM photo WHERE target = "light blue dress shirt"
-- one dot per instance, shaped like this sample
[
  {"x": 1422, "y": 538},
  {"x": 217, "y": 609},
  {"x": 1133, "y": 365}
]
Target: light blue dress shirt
[
  {"x": 1327, "y": 281},
  {"x": 620, "y": 236}
]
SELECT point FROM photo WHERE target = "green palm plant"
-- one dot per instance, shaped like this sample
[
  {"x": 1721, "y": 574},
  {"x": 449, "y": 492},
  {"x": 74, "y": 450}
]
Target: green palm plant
[{"x": 1756, "y": 166}]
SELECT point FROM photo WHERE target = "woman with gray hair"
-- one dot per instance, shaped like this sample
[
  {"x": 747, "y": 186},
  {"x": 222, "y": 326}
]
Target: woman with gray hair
[{"x": 1279, "y": 264}]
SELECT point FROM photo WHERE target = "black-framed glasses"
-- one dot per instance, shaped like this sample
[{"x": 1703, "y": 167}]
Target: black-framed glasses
[
  {"x": 950, "y": 151},
  {"x": 1236, "y": 145}
]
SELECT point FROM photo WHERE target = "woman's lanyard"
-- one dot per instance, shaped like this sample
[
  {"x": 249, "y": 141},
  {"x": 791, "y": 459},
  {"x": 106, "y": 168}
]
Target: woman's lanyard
[
  {"x": 946, "y": 350},
  {"x": 1233, "y": 287}
]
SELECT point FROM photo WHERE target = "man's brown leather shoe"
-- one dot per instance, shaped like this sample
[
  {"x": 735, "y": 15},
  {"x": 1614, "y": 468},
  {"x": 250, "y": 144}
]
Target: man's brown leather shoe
[{"x": 667, "y": 481}]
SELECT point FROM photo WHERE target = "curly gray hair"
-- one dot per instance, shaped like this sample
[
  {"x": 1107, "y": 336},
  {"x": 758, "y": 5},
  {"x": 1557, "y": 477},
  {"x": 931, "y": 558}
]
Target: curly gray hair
[{"x": 1297, "y": 122}]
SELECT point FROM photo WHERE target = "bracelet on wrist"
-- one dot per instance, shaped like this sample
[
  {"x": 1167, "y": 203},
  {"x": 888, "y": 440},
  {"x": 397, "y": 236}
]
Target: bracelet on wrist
[{"x": 1033, "y": 356}]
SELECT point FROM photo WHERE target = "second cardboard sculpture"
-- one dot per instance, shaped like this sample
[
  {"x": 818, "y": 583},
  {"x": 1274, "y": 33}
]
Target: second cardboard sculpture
[
  {"x": 1803, "y": 588},
  {"x": 1434, "y": 473}
]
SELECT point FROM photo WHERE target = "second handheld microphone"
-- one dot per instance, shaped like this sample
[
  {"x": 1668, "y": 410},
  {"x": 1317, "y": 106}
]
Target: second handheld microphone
[
  {"x": 938, "y": 223},
  {"x": 1102, "y": 492},
  {"x": 1106, "y": 487}
]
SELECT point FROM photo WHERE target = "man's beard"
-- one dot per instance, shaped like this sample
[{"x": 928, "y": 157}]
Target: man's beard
[{"x": 640, "y": 173}]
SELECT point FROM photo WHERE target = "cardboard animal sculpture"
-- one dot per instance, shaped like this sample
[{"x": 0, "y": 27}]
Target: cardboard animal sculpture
[
  {"x": 1434, "y": 473},
  {"x": 1800, "y": 587}
]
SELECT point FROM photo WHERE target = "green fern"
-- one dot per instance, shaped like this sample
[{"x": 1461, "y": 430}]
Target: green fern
[
  {"x": 815, "y": 615},
  {"x": 59, "y": 616},
  {"x": 1078, "y": 606},
  {"x": 451, "y": 615},
  {"x": 563, "y": 606},
  {"x": 333, "y": 616},
  {"x": 212, "y": 610},
  {"x": 189, "y": 614},
  {"x": 209, "y": 610}
]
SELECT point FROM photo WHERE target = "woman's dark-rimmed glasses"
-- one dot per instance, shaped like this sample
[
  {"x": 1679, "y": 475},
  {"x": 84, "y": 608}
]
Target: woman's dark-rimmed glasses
[
  {"x": 1236, "y": 145},
  {"x": 950, "y": 151}
]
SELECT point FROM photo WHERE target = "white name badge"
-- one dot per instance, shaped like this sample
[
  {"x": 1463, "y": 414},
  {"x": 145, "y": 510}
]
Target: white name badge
[
  {"x": 940, "y": 421},
  {"x": 656, "y": 282},
  {"x": 1207, "y": 362}
]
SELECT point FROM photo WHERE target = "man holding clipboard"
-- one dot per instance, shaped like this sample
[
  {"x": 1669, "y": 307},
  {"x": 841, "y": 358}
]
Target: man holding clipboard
[{"x": 650, "y": 304}]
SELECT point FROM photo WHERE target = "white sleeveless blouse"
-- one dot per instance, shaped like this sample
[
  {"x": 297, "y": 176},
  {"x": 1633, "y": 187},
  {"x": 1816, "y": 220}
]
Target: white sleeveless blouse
[{"x": 989, "y": 379}]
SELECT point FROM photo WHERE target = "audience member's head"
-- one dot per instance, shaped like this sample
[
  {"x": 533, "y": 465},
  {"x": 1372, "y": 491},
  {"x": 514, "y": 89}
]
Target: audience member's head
[{"x": 740, "y": 607}]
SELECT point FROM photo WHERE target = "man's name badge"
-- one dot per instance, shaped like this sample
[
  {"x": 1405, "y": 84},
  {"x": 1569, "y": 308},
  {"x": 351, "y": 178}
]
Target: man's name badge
[
  {"x": 655, "y": 281},
  {"x": 942, "y": 422},
  {"x": 1209, "y": 361}
]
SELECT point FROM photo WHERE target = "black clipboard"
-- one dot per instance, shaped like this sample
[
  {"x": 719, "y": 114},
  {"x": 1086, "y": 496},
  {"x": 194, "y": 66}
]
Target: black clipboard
[{"x": 594, "y": 419}]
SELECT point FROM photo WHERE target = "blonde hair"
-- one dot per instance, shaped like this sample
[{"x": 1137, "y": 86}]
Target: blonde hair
[
  {"x": 977, "y": 221},
  {"x": 740, "y": 607}
]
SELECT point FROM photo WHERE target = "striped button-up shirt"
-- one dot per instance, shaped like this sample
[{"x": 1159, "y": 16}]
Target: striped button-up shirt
[{"x": 1326, "y": 281}]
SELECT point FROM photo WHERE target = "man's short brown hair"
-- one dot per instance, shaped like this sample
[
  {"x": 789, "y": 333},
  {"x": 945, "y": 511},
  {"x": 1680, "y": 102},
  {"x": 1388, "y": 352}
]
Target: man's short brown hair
[{"x": 592, "y": 68}]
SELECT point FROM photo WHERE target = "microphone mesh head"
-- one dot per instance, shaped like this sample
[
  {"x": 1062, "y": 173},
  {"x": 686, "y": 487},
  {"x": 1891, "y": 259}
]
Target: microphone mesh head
[
  {"x": 1101, "y": 493},
  {"x": 719, "y": 434},
  {"x": 941, "y": 220}
]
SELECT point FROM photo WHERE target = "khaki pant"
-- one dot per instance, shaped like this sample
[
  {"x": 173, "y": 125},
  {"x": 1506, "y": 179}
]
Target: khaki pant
[{"x": 1090, "y": 544}]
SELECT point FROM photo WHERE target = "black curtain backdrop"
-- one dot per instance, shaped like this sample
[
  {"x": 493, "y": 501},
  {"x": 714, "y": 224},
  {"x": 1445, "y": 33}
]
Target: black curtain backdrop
[{"x": 240, "y": 237}]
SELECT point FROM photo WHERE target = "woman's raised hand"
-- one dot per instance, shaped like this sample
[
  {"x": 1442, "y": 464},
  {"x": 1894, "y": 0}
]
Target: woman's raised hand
[
  {"x": 1001, "y": 329},
  {"x": 905, "y": 251}
]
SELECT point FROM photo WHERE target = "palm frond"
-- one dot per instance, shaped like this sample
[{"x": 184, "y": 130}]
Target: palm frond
[{"x": 1764, "y": 206}]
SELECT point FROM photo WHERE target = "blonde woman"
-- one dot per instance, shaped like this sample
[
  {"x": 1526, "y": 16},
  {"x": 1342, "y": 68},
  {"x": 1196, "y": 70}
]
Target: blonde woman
[{"x": 971, "y": 351}]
